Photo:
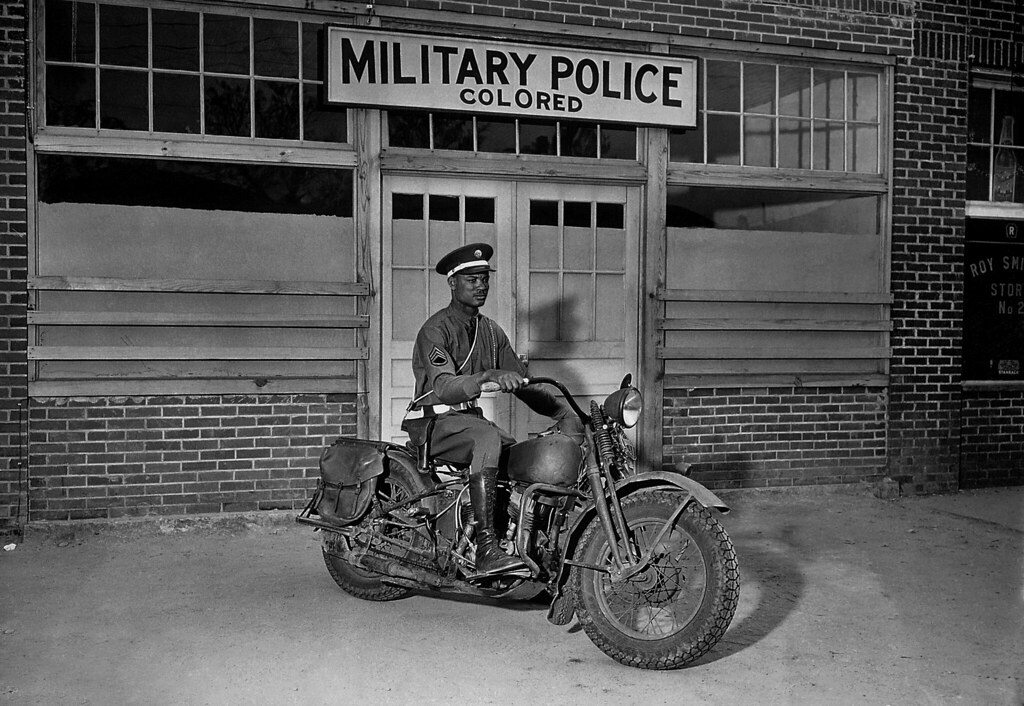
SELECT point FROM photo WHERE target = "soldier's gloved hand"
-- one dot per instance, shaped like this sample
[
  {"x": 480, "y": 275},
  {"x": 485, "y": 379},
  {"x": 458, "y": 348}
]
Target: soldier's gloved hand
[{"x": 507, "y": 380}]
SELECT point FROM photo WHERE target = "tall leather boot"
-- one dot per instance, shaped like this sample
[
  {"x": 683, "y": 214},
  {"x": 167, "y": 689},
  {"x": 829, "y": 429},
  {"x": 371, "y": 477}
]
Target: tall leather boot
[{"x": 490, "y": 560}]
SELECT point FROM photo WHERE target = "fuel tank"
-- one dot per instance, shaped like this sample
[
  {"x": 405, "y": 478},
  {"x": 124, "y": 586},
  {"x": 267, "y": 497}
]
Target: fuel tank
[{"x": 553, "y": 459}]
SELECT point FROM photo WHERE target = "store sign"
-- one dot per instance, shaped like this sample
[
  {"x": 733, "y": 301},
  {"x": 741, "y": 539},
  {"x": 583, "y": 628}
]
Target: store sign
[
  {"x": 397, "y": 70},
  {"x": 994, "y": 300}
]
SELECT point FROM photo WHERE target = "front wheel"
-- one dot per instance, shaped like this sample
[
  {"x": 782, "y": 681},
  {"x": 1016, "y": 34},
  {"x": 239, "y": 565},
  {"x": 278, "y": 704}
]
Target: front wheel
[{"x": 679, "y": 606}]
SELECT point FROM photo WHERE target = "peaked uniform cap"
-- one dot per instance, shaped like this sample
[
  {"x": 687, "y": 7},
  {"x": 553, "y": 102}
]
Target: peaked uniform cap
[{"x": 467, "y": 260}]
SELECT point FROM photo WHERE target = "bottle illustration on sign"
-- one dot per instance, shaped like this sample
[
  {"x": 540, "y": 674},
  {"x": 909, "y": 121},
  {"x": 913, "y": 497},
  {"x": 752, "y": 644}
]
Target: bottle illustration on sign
[{"x": 1004, "y": 170}]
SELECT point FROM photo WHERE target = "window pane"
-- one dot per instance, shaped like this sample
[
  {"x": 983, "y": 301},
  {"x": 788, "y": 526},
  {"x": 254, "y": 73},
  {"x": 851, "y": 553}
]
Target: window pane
[
  {"x": 618, "y": 143},
  {"x": 176, "y": 40},
  {"x": 687, "y": 145},
  {"x": 276, "y": 48},
  {"x": 443, "y": 208},
  {"x": 828, "y": 94},
  {"x": 70, "y": 96},
  {"x": 124, "y": 35},
  {"x": 69, "y": 31},
  {"x": 863, "y": 149},
  {"x": 311, "y": 51},
  {"x": 407, "y": 207},
  {"x": 227, "y": 106},
  {"x": 1010, "y": 105},
  {"x": 723, "y": 85},
  {"x": 226, "y": 44},
  {"x": 124, "y": 100},
  {"x": 758, "y": 141},
  {"x": 978, "y": 173},
  {"x": 176, "y": 103},
  {"x": 610, "y": 215},
  {"x": 496, "y": 135},
  {"x": 578, "y": 139},
  {"x": 759, "y": 88},
  {"x": 322, "y": 123},
  {"x": 979, "y": 115},
  {"x": 1008, "y": 175},
  {"x": 780, "y": 210},
  {"x": 794, "y": 91},
  {"x": 408, "y": 129},
  {"x": 277, "y": 110},
  {"x": 723, "y": 139},
  {"x": 576, "y": 214},
  {"x": 453, "y": 132},
  {"x": 863, "y": 97},
  {"x": 537, "y": 137},
  {"x": 195, "y": 185},
  {"x": 479, "y": 210},
  {"x": 828, "y": 146},
  {"x": 795, "y": 144},
  {"x": 543, "y": 213}
]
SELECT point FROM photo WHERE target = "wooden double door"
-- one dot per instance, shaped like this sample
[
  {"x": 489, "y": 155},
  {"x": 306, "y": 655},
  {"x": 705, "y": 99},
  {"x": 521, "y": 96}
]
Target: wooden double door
[{"x": 565, "y": 289}]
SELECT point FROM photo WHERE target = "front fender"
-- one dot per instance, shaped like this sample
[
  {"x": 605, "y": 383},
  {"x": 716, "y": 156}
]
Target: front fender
[{"x": 649, "y": 479}]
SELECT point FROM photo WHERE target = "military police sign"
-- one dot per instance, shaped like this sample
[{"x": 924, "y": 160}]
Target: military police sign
[{"x": 390, "y": 69}]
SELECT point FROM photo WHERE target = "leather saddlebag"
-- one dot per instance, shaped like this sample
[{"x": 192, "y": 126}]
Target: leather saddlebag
[{"x": 348, "y": 472}]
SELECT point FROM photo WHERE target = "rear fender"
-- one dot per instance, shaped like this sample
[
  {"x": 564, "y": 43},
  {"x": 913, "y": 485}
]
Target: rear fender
[{"x": 692, "y": 490}]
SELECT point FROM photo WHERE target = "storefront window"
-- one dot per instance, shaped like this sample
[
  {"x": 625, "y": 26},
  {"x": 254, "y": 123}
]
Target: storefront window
[
  {"x": 995, "y": 145},
  {"x": 777, "y": 115},
  {"x": 463, "y": 132},
  {"x": 176, "y": 71}
]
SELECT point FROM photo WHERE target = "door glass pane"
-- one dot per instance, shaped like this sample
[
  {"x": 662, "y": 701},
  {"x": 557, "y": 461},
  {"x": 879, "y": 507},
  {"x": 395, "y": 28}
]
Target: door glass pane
[
  {"x": 175, "y": 40},
  {"x": 124, "y": 35},
  {"x": 408, "y": 287},
  {"x": 479, "y": 210},
  {"x": 444, "y": 208},
  {"x": 576, "y": 308},
  {"x": 544, "y": 248},
  {"x": 611, "y": 322}
]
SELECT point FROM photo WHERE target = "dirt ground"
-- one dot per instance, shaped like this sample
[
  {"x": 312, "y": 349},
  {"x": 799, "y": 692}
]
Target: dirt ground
[{"x": 846, "y": 599}]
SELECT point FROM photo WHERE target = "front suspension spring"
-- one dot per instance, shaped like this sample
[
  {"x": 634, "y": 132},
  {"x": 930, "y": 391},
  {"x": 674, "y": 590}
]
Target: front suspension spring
[{"x": 605, "y": 445}]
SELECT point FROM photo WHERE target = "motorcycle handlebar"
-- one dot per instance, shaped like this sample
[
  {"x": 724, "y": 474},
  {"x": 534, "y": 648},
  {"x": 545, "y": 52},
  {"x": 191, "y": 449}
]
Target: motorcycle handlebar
[{"x": 495, "y": 387}]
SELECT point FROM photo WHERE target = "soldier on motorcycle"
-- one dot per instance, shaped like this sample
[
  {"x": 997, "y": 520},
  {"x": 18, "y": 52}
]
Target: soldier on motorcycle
[{"x": 457, "y": 351}]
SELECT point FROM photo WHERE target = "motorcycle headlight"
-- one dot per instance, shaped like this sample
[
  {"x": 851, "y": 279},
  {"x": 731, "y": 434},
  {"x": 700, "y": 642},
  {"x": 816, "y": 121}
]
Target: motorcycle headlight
[{"x": 624, "y": 406}]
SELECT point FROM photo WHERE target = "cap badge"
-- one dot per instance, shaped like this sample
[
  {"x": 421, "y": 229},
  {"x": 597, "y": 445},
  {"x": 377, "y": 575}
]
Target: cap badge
[{"x": 478, "y": 253}]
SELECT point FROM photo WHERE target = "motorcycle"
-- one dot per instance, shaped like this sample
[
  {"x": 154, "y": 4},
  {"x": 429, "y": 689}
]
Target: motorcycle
[{"x": 637, "y": 557}]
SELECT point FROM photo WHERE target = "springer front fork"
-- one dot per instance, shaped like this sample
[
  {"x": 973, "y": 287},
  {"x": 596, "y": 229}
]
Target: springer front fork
[{"x": 606, "y": 501}]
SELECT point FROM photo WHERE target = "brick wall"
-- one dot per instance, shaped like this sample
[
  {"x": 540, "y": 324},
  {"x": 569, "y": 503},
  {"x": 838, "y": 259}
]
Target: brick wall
[
  {"x": 992, "y": 446},
  {"x": 13, "y": 261},
  {"x": 767, "y": 437},
  {"x": 115, "y": 457},
  {"x": 880, "y": 26}
]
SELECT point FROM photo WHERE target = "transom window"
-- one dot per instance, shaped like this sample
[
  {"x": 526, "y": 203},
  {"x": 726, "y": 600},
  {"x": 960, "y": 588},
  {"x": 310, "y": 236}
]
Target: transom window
[
  {"x": 468, "y": 133},
  {"x": 995, "y": 145},
  {"x": 117, "y": 67},
  {"x": 785, "y": 116}
]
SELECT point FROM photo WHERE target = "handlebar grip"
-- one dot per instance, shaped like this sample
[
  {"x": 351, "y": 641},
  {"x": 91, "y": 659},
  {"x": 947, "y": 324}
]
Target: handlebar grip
[{"x": 495, "y": 387}]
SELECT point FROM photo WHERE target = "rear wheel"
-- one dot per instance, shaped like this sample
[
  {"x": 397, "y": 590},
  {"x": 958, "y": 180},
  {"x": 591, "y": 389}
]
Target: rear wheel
[
  {"x": 679, "y": 606},
  {"x": 398, "y": 484}
]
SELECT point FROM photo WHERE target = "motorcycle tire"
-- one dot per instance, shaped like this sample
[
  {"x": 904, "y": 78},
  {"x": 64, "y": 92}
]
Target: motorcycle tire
[
  {"x": 675, "y": 610},
  {"x": 397, "y": 484}
]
